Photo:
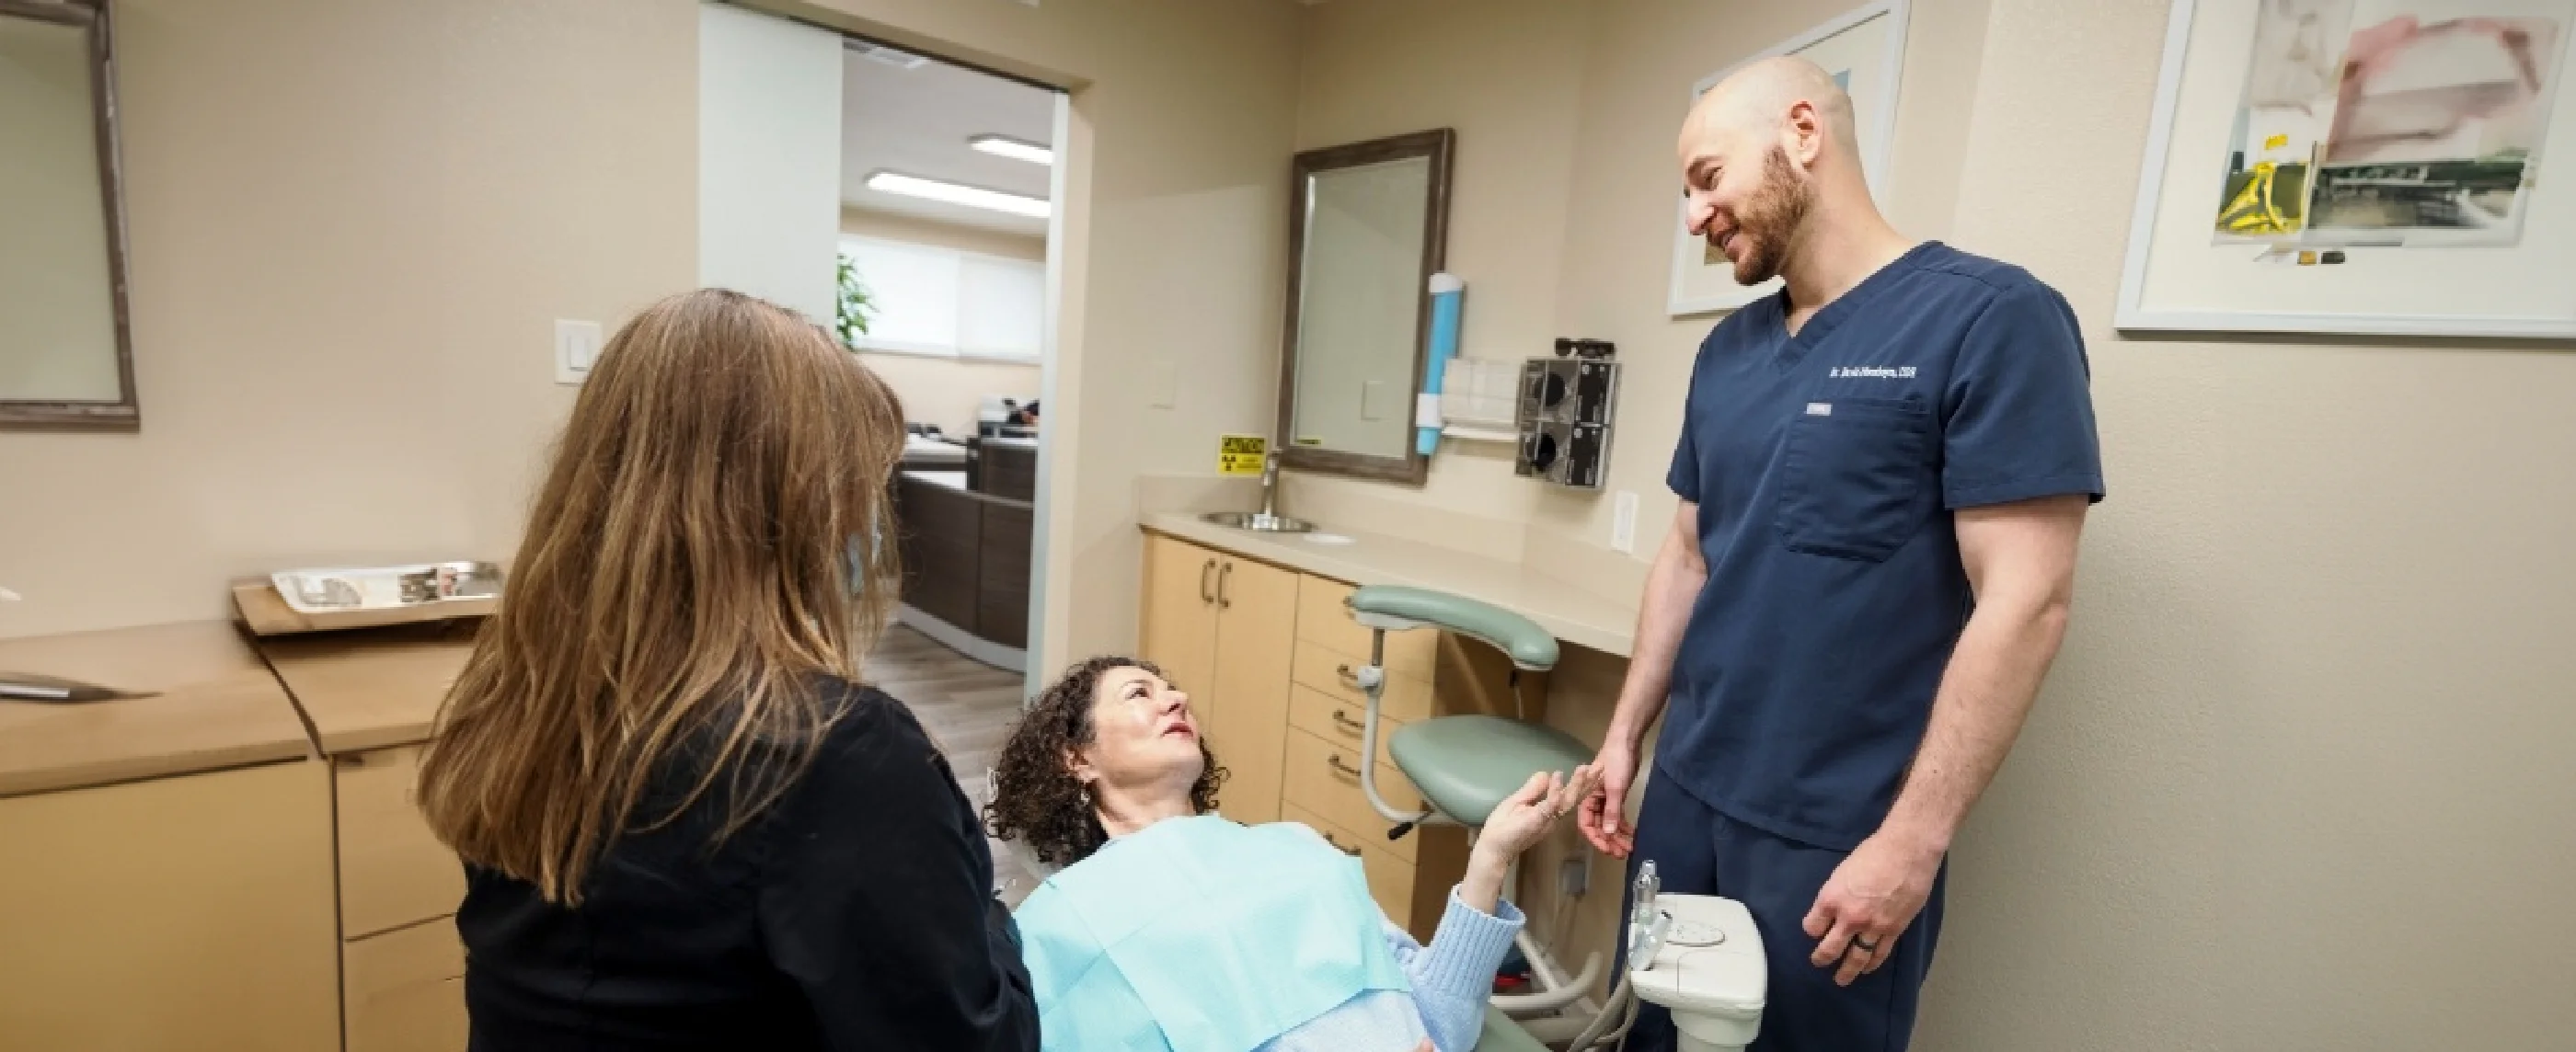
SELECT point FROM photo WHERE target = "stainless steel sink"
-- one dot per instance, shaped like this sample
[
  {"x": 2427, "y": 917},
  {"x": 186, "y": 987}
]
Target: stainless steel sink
[
  {"x": 1267, "y": 520},
  {"x": 1259, "y": 522}
]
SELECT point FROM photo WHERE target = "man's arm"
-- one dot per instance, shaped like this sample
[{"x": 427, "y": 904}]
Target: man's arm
[
  {"x": 1672, "y": 586},
  {"x": 2020, "y": 560}
]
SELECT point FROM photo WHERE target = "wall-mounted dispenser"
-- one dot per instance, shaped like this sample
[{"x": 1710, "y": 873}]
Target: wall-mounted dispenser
[{"x": 1564, "y": 413}]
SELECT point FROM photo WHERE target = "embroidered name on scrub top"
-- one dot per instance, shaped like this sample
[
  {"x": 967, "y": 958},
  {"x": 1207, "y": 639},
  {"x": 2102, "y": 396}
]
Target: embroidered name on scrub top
[
  {"x": 1826, "y": 466},
  {"x": 1201, "y": 935}
]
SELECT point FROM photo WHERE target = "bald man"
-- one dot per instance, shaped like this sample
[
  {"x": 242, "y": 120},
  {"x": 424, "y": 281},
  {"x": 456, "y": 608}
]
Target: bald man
[{"x": 1883, "y": 472}]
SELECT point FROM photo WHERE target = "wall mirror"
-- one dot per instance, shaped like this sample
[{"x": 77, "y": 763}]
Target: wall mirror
[
  {"x": 66, "y": 359},
  {"x": 1369, "y": 225}
]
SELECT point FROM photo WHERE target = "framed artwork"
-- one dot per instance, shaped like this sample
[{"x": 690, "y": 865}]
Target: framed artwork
[
  {"x": 1864, "y": 49},
  {"x": 2358, "y": 167}
]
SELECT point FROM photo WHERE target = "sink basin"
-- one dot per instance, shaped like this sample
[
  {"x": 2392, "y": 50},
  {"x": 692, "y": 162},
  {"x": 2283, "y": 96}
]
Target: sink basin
[{"x": 1258, "y": 522}]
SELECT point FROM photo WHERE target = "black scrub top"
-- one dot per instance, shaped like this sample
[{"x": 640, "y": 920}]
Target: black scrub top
[{"x": 856, "y": 913}]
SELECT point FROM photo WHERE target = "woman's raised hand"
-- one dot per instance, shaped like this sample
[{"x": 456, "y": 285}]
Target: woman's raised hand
[{"x": 1527, "y": 815}]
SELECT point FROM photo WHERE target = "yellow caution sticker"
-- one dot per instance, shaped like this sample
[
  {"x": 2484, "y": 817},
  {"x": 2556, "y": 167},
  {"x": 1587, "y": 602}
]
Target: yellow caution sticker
[{"x": 1241, "y": 454}]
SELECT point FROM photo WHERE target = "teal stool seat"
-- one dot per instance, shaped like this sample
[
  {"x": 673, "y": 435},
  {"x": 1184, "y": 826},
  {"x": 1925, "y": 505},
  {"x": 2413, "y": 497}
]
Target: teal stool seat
[
  {"x": 1468, "y": 765},
  {"x": 1397, "y": 609},
  {"x": 1503, "y": 1035}
]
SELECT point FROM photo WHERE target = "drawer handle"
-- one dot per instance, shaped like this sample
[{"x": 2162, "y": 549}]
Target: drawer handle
[
  {"x": 1206, "y": 595},
  {"x": 1335, "y": 762},
  {"x": 1224, "y": 574},
  {"x": 1349, "y": 678},
  {"x": 1337, "y": 846},
  {"x": 1349, "y": 724}
]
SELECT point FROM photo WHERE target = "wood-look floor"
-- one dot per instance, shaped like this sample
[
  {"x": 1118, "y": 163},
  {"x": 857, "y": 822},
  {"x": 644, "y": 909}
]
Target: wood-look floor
[{"x": 969, "y": 709}]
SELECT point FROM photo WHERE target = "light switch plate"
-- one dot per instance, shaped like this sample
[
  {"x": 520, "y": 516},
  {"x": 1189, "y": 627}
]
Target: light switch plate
[
  {"x": 1623, "y": 522},
  {"x": 576, "y": 347}
]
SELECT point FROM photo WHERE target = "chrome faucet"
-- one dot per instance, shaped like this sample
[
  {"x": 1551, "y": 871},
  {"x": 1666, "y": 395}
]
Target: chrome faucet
[{"x": 1270, "y": 485}]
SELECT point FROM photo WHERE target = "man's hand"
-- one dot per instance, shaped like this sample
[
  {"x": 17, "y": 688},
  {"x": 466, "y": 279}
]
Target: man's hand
[
  {"x": 1869, "y": 901},
  {"x": 1605, "y": 809}
]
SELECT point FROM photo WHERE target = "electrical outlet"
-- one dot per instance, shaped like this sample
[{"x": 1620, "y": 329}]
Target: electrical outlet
[
  {"x": 576, "y": 347},
  {"x": 1573, "y": 878},
  {"x": 1163, "y": 380},
  {"x": 1623, "y": 522}
]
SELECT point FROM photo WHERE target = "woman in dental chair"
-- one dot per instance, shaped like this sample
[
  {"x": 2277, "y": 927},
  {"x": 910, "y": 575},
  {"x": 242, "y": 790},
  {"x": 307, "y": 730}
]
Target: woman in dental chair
[{"x": 1172, "y": 929}]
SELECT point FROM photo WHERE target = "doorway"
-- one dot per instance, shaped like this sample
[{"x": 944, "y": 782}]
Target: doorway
[{"x": 910, "y": 204}]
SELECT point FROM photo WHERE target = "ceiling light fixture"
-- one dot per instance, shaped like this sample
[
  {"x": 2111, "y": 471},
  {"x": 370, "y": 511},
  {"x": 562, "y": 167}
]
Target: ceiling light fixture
[
  {"x": 1004, "y": 146},
  {"x": 958, "y": 194}
]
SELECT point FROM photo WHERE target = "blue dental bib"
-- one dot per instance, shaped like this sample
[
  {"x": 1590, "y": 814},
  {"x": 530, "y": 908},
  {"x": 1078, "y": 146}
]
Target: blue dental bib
[{"x": 1201, "y": 935}]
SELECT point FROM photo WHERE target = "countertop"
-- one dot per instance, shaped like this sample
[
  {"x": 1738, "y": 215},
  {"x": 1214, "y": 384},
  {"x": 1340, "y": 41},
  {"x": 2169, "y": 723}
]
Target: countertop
[
  {"x": 217, "y": 707},
  {"x": 952, "y": 479},
  {"x": 373, "y": 688},
  {"x": 1565, "y": 610}
]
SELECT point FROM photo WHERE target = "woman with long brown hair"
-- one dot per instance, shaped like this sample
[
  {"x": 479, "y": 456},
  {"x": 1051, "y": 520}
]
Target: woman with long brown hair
[{"x": 686, "y": 823}]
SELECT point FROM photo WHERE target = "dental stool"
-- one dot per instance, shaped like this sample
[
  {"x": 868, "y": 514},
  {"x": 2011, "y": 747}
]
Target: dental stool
[{"x": 1466, "y": 766}]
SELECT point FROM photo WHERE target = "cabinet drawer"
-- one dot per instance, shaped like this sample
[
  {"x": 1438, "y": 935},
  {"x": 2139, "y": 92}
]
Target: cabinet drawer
[
  {"x": 1337, "y": 720},
  {"x": 1390, "y": 879},
  {"x": 1321, "y": 618},
  {"x": 392, "y": 871},
  {"x": 406, "y": 990},
  {"x": 1323, "y": 779},
  {"x": 1334, "y": 673}
]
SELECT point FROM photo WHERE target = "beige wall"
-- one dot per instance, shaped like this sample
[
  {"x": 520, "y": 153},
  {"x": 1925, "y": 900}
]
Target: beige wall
[
  {"x": 353, "y": 226},
  {"x": 2295, "y": 783},
  {"x": 344, "y": 352},
  {"x": 947, "y": 391}
]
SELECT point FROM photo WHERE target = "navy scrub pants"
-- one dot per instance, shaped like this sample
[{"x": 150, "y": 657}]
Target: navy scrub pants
[{"x": 1698, "y": 851}]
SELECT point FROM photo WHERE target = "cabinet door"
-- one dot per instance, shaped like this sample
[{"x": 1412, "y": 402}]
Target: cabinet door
[
  {"x": 393, "y": 871},
  {"x": 171, "y": 915},
  {"x": 1256, "y": 647},
  {"x": 1179, "y": 630}
]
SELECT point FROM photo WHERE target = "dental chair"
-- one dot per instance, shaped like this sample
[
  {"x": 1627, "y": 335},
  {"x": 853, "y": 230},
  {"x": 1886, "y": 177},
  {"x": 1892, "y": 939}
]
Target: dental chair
[
  {"x": 1466, "y": 766},
  {"x": 1697, "y": 955}
]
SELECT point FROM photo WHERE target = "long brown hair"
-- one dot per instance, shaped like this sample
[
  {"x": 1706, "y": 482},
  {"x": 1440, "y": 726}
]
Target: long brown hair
[{"x": 686, "y": 579}]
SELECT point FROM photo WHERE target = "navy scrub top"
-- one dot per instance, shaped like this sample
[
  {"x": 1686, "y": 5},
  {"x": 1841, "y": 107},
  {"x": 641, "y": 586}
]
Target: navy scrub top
[{"x": 1825, "y": 466}]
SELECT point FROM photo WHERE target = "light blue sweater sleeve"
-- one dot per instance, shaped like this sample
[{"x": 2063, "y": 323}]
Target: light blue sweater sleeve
[{"x": 1453, "y": 977}]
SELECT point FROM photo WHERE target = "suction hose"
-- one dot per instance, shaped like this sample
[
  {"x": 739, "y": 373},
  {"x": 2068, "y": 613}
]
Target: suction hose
[{"x": 1622, "y": 1004}]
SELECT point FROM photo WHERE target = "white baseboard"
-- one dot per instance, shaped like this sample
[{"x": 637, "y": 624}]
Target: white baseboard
[{"x": 1008, "y": 659}]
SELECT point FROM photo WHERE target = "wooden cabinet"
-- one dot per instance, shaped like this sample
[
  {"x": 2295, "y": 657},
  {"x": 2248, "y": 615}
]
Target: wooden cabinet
[
  {"x": 173, "y": 914},
  {"x": 405, "y": 988},
  {"x": 1256, "y": 624},
  {"x": 1223, "y": 629},
  {"x": 393, "y": 872},
  {"x": 370, "y": 697},
  {"x": 1271, "y": 658},
  {"x": 965, "y": 560}
]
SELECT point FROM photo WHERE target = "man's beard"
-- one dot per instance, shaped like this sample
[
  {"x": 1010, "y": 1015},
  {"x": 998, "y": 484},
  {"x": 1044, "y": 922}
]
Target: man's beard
[{"x": 1770, "y": 221}]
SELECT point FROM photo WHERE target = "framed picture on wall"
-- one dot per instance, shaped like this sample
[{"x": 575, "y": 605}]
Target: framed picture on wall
[
  {"x": 1864, "y": 49},
  {"x": 2359, "y": 167}
]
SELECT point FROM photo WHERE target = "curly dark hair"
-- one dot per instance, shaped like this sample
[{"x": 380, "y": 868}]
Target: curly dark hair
[{"x": 1036, "y": 798}]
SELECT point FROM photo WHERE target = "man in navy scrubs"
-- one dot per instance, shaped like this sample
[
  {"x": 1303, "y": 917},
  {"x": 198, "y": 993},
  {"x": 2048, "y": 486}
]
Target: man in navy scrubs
[{"x": 1883, "y": 472}]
